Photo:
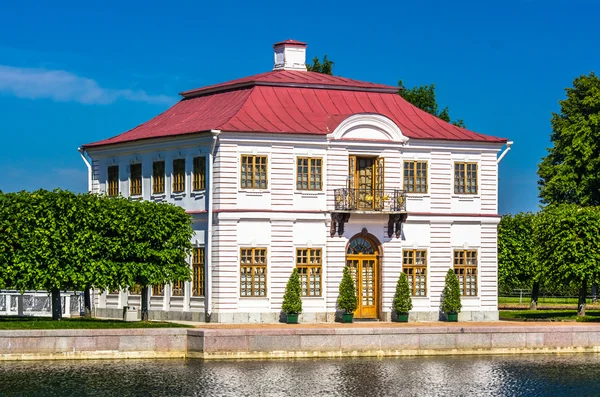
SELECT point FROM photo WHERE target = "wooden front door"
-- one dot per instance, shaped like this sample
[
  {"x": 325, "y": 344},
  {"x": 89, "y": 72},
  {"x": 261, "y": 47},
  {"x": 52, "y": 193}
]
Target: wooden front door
[{"x": 363, "y": 260}]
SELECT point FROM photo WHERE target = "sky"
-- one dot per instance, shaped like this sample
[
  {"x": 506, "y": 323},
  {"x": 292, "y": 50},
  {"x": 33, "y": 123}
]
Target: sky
[{"x": 74, "y": 72}]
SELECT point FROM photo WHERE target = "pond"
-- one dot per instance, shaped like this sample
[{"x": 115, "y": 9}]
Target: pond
[{"x": 531, "y": 375}]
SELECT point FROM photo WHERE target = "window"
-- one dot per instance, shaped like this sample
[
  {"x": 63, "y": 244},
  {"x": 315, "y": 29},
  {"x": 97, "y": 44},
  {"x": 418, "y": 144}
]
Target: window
[
  {"x": 158, "y": 290},
  {"x": 308, "y": 262},
  {"x": 178, "y": 175},
  {"x": 415, "y": 176},
  {"x": 414, "y": 264},
  {"x": 135, "y": 289},
  {"x": 465, "y": 267},
  {"x": 158, "y": 177},
  {"x": 465, "y": 178},
  {"x": 178, "y": 288},
  {"x": 198, "y": 272},
  {"x": 309, "y": 173},
  {"x": 113, "y": 180},
  {"x": 199, "y": 176},
  {"x": 253, "y": 172},
  {"x": 135, "y": 179},
  {"x": 253, "y": 272}
]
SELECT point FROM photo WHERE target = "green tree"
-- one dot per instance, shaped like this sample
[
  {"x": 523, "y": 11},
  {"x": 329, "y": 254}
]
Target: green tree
[
  {"x": 423, "y": 97},
  {"x": 325, "y": 67},
  {"x": 451, "y": 302},
  {"x": 517, "y": 267},
  {"x": 566, "y": 240},
  {"x": 292, "y": 303},
  {"x": 402, "y": 300},
  {"x": 570, "y": 172},
  {"x": 347, "y": 300}
]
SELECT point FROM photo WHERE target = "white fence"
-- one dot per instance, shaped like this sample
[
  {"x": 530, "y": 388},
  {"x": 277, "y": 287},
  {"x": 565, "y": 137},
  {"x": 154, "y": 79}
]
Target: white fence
[{"x": 39, "y": 303}]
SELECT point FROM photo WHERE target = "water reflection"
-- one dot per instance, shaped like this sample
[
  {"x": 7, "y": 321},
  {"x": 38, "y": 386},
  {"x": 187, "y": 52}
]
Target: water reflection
[{"x": 538, "y": 375}]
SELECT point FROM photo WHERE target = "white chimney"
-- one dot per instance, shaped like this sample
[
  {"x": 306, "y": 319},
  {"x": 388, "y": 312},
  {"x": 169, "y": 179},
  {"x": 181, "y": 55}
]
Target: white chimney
[{"x": 290, "y": 55}]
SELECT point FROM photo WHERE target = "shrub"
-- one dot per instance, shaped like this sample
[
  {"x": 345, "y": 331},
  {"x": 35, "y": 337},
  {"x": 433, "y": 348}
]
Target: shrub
[
  {"x": 292, "y": 303},
  {"x": 451, "y": 302},
  {"x": 402, "y": 299},
  {"x": 347, "y": 299}
]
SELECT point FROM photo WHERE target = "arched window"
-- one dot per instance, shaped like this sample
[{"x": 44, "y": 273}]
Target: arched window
[{"x": 360, "y": 245}]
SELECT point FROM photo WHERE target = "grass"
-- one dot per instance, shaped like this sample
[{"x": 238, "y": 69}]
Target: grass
[
  {"x": 11, "y": 322},
  {"x": 527, "y": 299},
  {"x": 550, "y": 315}
]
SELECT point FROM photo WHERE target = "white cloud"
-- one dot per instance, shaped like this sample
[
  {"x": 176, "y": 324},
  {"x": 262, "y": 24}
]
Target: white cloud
[{"x": 63, "y": 86}]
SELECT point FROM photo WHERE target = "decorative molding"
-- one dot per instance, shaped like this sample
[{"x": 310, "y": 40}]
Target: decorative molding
[{"x": 351, "y": 128}]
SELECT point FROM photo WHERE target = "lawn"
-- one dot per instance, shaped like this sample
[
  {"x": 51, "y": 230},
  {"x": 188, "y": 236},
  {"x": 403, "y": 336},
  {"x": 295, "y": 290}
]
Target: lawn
[
  {"x": 549, "y": 315},
  {"x": 541, "y": 300},
  {"x": 12, "y": 322}
]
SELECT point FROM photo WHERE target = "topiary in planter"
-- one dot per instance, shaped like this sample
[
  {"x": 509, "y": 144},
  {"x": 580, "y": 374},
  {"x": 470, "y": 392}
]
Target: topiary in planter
[
  {"x": 292, "y": 303},
  {"x": 402, "y": 300},
  {"x": 451, "y": 304},
  {"x": 347, "y": 300}
]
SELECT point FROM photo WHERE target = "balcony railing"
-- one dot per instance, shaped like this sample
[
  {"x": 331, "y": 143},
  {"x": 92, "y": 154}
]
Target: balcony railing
[{"x": 371, "y": 200}]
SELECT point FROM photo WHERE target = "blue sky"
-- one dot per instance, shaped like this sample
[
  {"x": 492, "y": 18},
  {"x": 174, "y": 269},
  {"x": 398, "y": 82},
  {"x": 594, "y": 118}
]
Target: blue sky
[{"x": 73, "y": 72}]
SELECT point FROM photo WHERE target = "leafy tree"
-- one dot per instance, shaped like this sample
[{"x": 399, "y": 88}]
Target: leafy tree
[
  {"x": 570, "y": 173},
  {"x": 517, "y": 266},
  {"x": 423, "y": 97},
  {"x": 347, "y": 300},
  {"x": 402, "y": 300},
  {"x": 292, "y": 303},
  {"x": 566, "y": 241},
  {"x": 59, "y": 240},
  {"x": 326, "y": 67},
  {"x": 451, "y": 303}
]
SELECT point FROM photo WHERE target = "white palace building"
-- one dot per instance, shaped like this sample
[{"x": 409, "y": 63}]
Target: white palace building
[{"x": 291, "y": 168}]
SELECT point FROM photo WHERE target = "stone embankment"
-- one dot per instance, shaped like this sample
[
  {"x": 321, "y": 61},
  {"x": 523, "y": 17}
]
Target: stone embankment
[{"x": 310, "y": 341}]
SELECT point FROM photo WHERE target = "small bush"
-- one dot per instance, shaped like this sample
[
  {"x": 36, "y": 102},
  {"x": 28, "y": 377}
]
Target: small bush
[
  {"x": 451, "y": 302},
  {"x": 347, "y": 299},
  {"x": 292, "y": 303},
  {"x": 402, "y": 299}
]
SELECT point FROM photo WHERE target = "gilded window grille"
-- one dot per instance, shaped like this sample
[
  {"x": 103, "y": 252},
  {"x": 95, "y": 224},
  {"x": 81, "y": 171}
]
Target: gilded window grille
[
  {"x": 465, "y": 178},
  {"x": 199, "y": 174},
  {"x": 414, "y": 264},
  {"x": 253, "y": 272},
  {"x": 415, "y": 176},
  {"x": 310, "y": 271},
  {"x": 309, "y": 173},
  {"x": 198, "y": 272},
  {"x": 253, "y": 172},
  {"x": 178, "y": 175},
  {"x": 158, "y": 177},
  {"x": 178, "y": 288},
  {"x": 158, "y": 290},
  {"x": 113, "y": 180},
  {"x": 135, "y": 179},
  {"x": 465, "y": 267}
]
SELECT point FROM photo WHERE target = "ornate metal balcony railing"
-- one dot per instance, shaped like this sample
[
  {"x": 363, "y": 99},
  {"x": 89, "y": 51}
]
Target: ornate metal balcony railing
[{"x": 371, "y": 200}]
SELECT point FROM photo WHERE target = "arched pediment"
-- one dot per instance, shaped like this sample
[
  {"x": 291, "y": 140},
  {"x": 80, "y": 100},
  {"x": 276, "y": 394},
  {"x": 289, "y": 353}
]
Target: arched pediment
[{"x": 368, "y": 127}]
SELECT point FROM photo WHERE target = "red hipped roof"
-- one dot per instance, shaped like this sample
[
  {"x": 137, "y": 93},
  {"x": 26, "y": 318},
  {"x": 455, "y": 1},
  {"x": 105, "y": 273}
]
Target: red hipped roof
[{"x": 291, "y": 102}]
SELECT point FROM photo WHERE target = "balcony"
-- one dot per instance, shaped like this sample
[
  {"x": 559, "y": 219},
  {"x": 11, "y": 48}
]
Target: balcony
[
  {"x": 381, "y": 201},
  {"x": 350, "y": 201}
]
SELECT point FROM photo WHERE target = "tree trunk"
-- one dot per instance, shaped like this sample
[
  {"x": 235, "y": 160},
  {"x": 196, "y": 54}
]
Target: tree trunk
[
  {"x": 145, "y": 303},
  {"x": 582, "y": 295},
  {"x": 87, "y": 303},
  {"x": 56, "y": 304},
  {"x": 535, "y": 292},
  {"x": 595, "y": 293}
]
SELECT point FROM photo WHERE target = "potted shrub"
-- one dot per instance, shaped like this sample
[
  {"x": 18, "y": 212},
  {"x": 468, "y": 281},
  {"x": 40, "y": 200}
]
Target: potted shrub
[
  {"x": 451, "y": 305},
  {"x": 402, "y": 299},
  {"x": 292, "y": 303},
  {"x": 347, "y": 300}
]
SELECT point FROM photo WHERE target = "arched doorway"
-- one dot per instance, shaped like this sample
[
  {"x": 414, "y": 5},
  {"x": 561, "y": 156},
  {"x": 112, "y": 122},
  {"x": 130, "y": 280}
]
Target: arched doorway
[{"x": 362, "y": 257}]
